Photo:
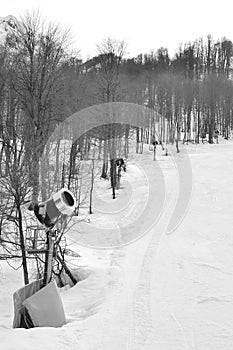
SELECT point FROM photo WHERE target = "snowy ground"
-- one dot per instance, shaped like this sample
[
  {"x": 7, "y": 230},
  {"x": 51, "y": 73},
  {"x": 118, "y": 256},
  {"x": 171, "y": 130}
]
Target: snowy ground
[{"x": 162, "y": 291}]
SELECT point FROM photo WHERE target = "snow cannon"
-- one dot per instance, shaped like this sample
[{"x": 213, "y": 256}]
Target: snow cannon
[{"x": 62, "y": 202}]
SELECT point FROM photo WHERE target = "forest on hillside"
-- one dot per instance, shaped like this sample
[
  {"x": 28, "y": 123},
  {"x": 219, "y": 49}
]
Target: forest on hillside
[{"x": 42, "y": 83}]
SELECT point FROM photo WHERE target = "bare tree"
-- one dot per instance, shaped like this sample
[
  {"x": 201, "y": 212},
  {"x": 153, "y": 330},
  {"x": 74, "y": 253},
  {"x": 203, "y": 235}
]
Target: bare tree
[
  {"x": 40, "y": 49},
  {"x": 15, "y": 190}
]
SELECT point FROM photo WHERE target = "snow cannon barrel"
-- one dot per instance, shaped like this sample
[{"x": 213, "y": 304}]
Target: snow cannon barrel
[{"x": 62, "y": 202}]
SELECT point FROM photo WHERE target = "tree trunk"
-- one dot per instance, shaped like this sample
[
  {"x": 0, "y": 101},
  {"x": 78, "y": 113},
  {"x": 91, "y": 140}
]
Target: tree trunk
[
  {"x": 154, "y": 158},
  {"x": 105, "y": 161},
  {"x": 113, "y": 176},
  {"x": 22, "y": 245},
  {"x": 35, "y": 177},
  {"x": 57, "y": 165},
  {"x": 137, "y": 140},
  {"x": 92, "y": 185}
]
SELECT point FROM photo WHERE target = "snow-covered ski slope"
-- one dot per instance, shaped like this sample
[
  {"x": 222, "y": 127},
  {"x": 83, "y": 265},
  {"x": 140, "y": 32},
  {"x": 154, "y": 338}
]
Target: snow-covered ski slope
[{"x": 161, "y": 292}]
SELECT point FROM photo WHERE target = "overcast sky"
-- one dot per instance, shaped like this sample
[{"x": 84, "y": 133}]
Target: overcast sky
[{"x": 144, "y": 25}]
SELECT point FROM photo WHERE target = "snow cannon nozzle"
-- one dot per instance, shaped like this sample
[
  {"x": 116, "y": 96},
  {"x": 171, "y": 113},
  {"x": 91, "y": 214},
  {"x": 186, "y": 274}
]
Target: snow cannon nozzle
[{"x": 60, "y": 203}]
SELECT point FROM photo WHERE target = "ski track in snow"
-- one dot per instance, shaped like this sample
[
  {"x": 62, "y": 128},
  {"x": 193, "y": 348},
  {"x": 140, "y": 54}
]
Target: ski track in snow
[
  {"x": 161, "y": 292},
  {"x": 136, "y": 324},
  {"x": 142, "y": 319}
]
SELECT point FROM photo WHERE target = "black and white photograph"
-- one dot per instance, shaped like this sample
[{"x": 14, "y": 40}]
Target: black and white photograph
[{"x": 116, "y": 175}]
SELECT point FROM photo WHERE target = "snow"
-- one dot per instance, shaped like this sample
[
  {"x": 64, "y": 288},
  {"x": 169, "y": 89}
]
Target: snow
[{"x": 159, "y": 292}]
